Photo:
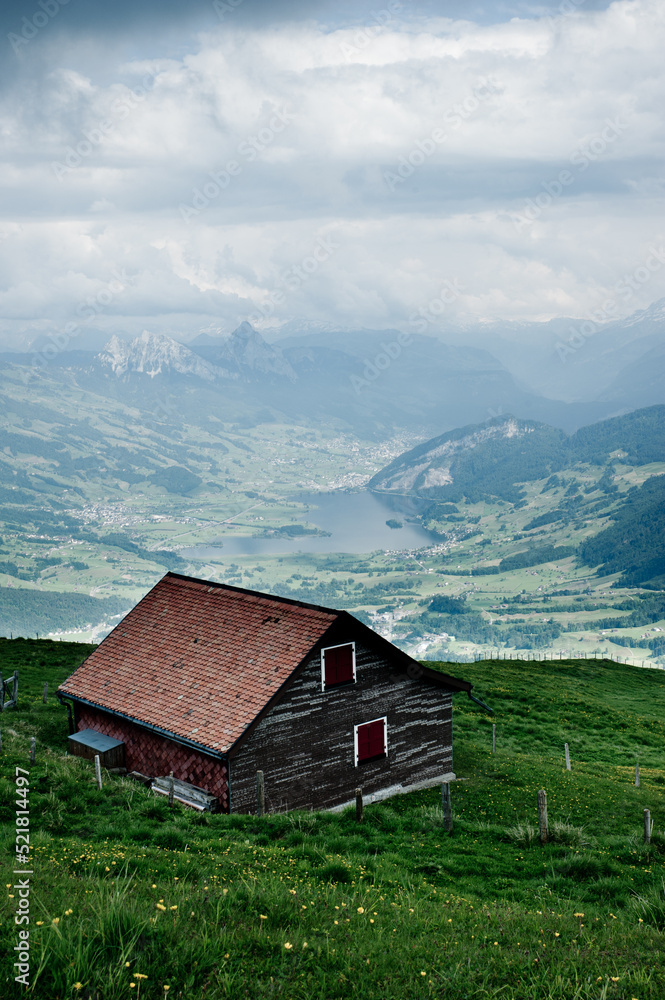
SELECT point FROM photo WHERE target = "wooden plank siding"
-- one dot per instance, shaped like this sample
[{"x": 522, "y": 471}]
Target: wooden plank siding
[{"x": 305, "y": 743}]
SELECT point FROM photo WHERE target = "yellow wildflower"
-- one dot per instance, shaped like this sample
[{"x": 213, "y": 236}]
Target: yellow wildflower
[
  {"x": 288, "y": 945},
  {"x": 160, "y": 906},
  {"x": 361, "y": 909}
]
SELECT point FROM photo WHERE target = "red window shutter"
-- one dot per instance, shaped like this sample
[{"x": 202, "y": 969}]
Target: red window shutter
[
  {"x": 371, "y": 740},
  {"x": 338, "y": 663}
]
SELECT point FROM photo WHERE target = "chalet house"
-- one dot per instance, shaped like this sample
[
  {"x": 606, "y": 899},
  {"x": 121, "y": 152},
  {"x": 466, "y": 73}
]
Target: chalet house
[{"x": 215, "y": 683}]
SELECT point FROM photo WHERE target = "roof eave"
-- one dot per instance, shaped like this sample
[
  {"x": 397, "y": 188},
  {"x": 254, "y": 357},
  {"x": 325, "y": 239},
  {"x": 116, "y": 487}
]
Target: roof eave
[
  {"x": 423, "y": 673},
  {"x": 166, "y": 733}
]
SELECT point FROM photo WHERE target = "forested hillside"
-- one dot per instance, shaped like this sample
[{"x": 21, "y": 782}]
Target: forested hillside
[
  {"x": 635, "y": 544},
  {"x": 489, "y": 461}
]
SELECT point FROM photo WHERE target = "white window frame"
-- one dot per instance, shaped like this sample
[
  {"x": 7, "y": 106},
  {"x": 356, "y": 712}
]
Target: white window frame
[
  {"x": 323, "y": 663},
  {"x": 381, "y": 718}
]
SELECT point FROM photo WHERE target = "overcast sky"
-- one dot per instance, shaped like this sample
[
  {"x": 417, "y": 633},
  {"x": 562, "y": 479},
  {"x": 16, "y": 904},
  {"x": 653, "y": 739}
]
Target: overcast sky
[{"x": 419, "y": 165}]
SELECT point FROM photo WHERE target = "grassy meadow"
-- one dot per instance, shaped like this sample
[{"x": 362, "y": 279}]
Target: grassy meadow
[{"x": 132, "y": 899}]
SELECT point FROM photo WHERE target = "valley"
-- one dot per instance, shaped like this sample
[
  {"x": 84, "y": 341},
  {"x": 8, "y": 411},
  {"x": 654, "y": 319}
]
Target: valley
[{"x": 100, "y": 495}]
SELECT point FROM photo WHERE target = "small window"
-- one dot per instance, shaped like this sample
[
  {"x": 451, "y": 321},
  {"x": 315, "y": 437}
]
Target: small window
[
  {"x": 371, "y": 740},
  {"x": 338, "y": 665}
]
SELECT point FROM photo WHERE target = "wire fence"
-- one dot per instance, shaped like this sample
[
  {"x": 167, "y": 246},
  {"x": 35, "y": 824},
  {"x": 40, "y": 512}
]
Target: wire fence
[{"x": 563, "y": 654}]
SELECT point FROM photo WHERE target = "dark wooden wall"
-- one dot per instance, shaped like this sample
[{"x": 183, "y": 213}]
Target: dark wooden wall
[{"x": 305, "y": 745}]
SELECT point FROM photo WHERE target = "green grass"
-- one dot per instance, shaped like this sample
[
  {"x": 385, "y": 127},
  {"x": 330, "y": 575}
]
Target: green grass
[{"x": 125, "y": 888}]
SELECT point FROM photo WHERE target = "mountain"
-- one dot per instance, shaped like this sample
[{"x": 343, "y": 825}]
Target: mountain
[
  {"x": 638, "y": 438},
  {"x": 477, "y": 462},
  {"x": 486, "y": 461},
  {"x": 577, "y": 359},
  {"x": 245, "y": 352},
  {"x": 152, "y": 354},
  {"x": 634, "y": 544},
  {"x": 372, "y": 383},
  {"x": 642, "y": 379}
]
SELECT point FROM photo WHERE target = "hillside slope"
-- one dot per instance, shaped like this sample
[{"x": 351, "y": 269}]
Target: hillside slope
[
  {"x": 488, "y": 460},
  {"x": 317, "y": 905}
]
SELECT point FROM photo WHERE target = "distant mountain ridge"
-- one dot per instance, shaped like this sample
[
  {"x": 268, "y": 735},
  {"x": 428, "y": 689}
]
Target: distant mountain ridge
[
  {"x": 374, "y": 383},
  {"x": 245, "y": 352},
  {"x": 152, "y": 354},
  {"x": 484, "y": 461}
]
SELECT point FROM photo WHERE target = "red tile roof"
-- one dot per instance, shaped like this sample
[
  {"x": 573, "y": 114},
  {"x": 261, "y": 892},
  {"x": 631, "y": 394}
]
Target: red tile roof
[{"x": 199, "y": 660}]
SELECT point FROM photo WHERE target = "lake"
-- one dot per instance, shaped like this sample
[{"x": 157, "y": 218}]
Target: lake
[{"x": 356, "y": 522}]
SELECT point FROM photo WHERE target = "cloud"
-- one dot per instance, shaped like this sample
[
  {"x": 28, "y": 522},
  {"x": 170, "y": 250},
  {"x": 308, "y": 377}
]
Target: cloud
[{"x": 428, "y": 149}]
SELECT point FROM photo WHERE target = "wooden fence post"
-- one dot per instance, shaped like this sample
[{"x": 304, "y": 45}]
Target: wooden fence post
[
  {"x": 567, "y": 756},
  {"x": 359, "y": 805},
  {"x": 171, "y": 788},
  {"x": 98, "y": 772},
  {"x": 637, "y": 775},
  {"x": 494, "y": 737},
  {"x": 260, "y": 794},
  {"x": 447, "y": 806},
  {"x": 33, "y": 749},
  {"x": 542, "y": 815},
  {"x": 648, "y": 826},
  {"x": 45, "y": 695}
]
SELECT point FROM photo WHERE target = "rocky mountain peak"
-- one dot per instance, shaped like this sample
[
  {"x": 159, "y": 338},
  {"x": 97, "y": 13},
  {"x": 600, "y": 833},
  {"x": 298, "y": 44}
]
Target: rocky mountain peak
[
  {"x": 153, "y": 354},
  {"x": 246, "y": 351}
]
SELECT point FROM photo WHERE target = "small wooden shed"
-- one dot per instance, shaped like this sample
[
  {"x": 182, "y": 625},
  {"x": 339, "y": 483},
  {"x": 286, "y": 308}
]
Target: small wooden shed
[
  {"x": 89, "y": 743},
  {"x": 215, "y": 683}
]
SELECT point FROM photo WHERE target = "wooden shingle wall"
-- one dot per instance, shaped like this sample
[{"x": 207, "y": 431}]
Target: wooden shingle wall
[
  {"x": 305, "y": 745},
  {"x": 157, "y": 756}
]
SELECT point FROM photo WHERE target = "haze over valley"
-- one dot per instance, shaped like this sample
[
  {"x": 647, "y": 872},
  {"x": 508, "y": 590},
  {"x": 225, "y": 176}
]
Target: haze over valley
[{"x": 249, "y": 461}]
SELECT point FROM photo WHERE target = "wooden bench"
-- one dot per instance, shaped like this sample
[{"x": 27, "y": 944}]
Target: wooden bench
[{"x": 189, "y": 795}]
